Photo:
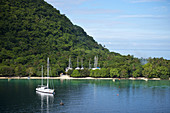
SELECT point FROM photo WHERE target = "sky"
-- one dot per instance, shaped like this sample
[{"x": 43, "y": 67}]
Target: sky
[{"x": 136, "y": 27}]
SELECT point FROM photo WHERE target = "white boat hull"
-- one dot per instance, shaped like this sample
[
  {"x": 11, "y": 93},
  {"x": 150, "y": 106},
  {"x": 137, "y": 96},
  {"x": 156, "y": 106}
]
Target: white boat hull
[{"x": 51, "y": 91}]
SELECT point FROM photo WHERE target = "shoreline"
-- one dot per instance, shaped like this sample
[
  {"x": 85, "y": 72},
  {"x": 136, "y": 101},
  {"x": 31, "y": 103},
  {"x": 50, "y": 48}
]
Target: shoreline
[{"x": 85, "y": 78}]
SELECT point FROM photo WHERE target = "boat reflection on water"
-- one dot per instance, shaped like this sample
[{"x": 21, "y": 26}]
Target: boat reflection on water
[{"x": 47, "y": 101}]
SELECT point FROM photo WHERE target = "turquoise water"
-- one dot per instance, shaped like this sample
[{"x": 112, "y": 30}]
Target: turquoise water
[{"x": 86, "y": 96}]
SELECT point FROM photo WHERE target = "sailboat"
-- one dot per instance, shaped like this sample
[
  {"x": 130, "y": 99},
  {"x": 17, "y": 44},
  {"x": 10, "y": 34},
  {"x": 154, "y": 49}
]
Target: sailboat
[
  {"x": 95, "y": 63},
  {"x": 82, "y": 64},
  {"x": 77, "y": 68},
  {"x": 89, "y": 64},
  {"x": 69, "y": 65},
  {"x": 45, "y": 88}
]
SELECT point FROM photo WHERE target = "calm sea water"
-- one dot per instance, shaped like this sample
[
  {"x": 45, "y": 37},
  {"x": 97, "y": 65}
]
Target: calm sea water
[{"x": 86, "y": 96}]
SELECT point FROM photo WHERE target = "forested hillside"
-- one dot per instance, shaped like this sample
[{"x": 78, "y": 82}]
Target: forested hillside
[{"x": 32, "y": 30}]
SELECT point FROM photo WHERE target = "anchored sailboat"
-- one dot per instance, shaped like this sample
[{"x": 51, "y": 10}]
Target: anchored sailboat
[
  {"x": 69, "y": 65},
  {"x": 82, "y": 64},
  {"x": 77, "y": 68},
  {"x": 95, "y": 63},
  {"x": 89, "y": 64},
  {"x": 43, "y": 88}
]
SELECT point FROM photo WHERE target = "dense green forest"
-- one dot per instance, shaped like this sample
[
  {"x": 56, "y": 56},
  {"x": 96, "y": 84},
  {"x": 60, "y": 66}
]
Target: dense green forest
[{"x": 32, "y": 30}]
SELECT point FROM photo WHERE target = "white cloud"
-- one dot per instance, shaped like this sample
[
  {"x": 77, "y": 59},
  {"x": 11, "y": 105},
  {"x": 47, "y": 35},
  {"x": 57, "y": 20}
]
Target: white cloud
[
  {"x": 141, "y": 16},
  {"x": 141, "y": 1},
  {"x": 66, "y": 6},
  {"x": 94, "y": 11},
  {"x": 65, "y": 3},
  {"x": 161, "y": 8}
]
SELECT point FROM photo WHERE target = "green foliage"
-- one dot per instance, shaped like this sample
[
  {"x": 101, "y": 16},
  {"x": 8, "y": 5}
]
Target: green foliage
[
  {"x": 137, "y": 73},
  {"x": 147, "y": 70},
  {"x": 20, "y": 70},
  {"x": 75, "y": 73},
  {"x": 102, "y": 73},
  {"x": 114, "y": 72},
  {"x": 84, "y": 73},
  {"x": 162, "y": 72},
  {"x": 70, "y": 72},
  {"x": 30, "y": 71},
  {"x": 165, "y": 77},
  {"x": 156, "y": 70},
  {"x": 94, "y": 73},
  {"x": 6, "y": 71},
  {"x": 124, "y": 73}
]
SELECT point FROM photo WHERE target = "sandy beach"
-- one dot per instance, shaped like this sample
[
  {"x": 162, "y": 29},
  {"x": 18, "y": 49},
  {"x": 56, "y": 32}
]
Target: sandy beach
[
  {"x": 61, "y": 77},
  {"x": 68, "y": 77}
]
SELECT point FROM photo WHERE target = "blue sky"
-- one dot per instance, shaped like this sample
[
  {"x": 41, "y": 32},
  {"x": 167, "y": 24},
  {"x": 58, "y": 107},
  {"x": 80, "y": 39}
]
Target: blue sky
[{"x": 136, "y": 27}]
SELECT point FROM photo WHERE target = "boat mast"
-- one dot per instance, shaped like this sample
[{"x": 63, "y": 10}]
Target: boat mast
[
  {"x": 89, "y": 64},
  {"x": 82, "y": 63},
  {"x": 69, "y": 63},
  {"x": 47, "y": 70},
  {"x": 77, "y": 62},
  {"x": 95, "y": 62},
  {"x": 42, "y": 75}
]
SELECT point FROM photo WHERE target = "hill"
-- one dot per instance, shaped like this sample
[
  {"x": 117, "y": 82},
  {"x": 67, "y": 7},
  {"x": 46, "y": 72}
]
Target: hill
[{"x": 32, "y": 30}]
